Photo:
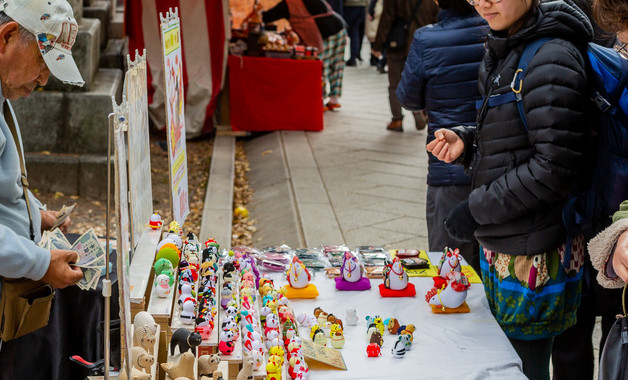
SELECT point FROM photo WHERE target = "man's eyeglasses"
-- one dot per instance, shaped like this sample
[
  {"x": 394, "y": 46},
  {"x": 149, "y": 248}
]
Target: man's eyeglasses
[
  {"x": 622, "y": 49},
  {"x": 476, "y": 2}
]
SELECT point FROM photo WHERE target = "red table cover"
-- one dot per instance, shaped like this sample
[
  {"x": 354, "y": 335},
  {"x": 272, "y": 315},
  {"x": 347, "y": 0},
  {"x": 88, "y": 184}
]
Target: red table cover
[{"x": 269, "y": 94}]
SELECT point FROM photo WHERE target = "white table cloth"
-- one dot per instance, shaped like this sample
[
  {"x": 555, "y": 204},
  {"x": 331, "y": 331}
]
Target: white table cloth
[{"x": 446, "y": 346}]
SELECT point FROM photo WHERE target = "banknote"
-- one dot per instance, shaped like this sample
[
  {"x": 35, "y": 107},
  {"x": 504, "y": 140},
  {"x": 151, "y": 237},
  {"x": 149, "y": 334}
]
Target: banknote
[{"x": 62, "y": 215}]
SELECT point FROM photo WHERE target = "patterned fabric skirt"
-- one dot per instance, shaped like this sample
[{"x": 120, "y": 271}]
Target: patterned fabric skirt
[
  {"x": 334, "y": 62},
  {"x": 534, "y": 297}
]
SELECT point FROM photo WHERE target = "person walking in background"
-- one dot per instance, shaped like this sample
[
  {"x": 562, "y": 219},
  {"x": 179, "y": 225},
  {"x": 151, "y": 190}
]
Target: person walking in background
[
  {"x": 337, "y": 6},
  {"x": 522, "y": 174},
  {"x": 374, "y": 13},
  {"x": 416, "y": 13},
  {"x": 354, "y": 13},
  {"x": 319, "y": 26},
  {"x": 441, "y": 77}
]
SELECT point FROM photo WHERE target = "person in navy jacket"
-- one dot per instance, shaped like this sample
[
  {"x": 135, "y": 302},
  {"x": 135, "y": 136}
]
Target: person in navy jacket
[{"x": 441, "y": 77}]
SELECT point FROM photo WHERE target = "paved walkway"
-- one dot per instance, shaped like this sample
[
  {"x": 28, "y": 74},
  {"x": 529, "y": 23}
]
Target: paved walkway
[{"x": 353, "y": 183}]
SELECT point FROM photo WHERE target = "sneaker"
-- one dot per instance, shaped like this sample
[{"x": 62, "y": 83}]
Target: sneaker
[
  {"x": 331, "y": 106},
  {"x": 395, "y": 125},
  {"x": 351, "y": 63}
]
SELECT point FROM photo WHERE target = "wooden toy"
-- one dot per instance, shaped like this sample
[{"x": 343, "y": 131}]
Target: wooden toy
[
  {"x": 396, "y": 281},
  {"x": 143, "y": 318},
  {"x": 352, "y": 274},
  {"x": 183, "y": 368},
  {"x": 299, "y": 281}
]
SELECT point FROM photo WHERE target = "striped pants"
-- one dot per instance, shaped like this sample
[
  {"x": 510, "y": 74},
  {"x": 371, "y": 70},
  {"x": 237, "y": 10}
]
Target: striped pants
[{"x": 334, "y": 63}]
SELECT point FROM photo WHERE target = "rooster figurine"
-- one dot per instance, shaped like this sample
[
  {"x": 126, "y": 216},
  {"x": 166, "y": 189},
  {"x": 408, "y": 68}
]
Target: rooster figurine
[
  {"x": 299, "y": 281},
  {"x": 449, "y": 293}
]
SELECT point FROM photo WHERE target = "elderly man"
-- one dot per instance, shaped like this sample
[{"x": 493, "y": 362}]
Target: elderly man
[{"x": 36, "y": 37}]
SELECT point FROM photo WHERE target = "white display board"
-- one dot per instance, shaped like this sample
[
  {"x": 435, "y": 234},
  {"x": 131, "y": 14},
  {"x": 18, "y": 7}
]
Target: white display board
[
  {"x": 175, "y": 116},
  {"x": 140, "y": 187},
  {"x": 122, "y": 243}
]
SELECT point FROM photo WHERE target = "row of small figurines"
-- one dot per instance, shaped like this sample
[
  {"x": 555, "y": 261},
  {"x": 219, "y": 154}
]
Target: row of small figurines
[{"x": 280, "y": 335}]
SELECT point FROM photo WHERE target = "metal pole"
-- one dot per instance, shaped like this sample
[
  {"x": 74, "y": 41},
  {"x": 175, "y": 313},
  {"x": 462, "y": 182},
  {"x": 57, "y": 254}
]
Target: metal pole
[{"x": 106, "y": 284}]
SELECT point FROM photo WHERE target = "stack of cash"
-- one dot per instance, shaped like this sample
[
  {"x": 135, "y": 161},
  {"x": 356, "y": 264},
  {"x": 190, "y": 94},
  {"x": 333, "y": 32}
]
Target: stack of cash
[{"x": 91, "y": 255}]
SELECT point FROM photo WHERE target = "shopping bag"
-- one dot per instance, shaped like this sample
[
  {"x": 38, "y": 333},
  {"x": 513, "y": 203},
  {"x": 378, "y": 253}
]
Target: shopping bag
[{"x": 614, "y": 359}]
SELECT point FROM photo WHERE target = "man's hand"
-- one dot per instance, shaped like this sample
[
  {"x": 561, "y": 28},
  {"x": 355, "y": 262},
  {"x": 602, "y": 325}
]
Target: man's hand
[
  {"x": 48, "y": 219},
  {"x": 376, "y": 53},
  {"x": 447, "y": 146},
  {"x": 620, "y": 257},
  {"x": 60, "y": 272}
]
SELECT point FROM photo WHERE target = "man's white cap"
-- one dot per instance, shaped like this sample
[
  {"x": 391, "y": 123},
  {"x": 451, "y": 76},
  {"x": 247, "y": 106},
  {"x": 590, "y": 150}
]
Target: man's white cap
[{"x": 53, "y": 24}]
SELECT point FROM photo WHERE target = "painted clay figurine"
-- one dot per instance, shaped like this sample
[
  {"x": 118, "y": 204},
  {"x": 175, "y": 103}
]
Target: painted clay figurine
[
  {"x": 299, "y": 281},
  {"x": 185, "y": 340},
  {"x": 337, "y": 337},
  {"x": 449, "y": 261},
  {"x": 183, "y": 368},
  {"x": 399, "y": 350},
  {"x": 396, "y": 281},
  {"x": 352, "y": 274},
  {"x": 207, "y": 364},
  {"x": 373, "y": 350},
  {"x": 351, "y": 317},
  {"x": 155, "y": 221},
  {"x": 141, "y": 359},
  {"x": 451, "y": 295},
  {"x": 144, "y": 337}
]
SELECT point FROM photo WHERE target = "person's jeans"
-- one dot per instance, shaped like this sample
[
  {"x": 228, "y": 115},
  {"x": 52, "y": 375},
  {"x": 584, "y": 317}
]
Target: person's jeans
[
  {"x": 355, "y": 18},
  {"x": 396, "y": 62}
]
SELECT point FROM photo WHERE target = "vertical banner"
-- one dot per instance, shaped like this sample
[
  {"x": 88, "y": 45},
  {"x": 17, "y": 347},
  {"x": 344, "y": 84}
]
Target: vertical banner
[
  {"x": 122, "y": 236},
  {"x": 175, "y": 118},
  {"x": 140, "y": 187}
]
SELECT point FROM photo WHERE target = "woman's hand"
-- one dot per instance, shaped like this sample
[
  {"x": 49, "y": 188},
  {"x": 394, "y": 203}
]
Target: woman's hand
[
  {"x": 447, "y": 146},
  {"x": 620, "y": 256}
]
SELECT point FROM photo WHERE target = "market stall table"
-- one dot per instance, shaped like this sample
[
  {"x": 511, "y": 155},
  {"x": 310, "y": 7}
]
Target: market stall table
[
  {"x": 269, "y": 94},
  {"x": 446, "y": 346}
]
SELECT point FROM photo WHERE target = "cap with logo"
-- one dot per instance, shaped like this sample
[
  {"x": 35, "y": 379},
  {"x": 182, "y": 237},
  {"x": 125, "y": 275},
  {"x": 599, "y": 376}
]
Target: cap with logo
[{"x": 53, "y": 24}]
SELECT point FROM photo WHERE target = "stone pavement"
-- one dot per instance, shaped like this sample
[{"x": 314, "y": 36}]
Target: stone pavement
[{"x": 354, "y": 183}]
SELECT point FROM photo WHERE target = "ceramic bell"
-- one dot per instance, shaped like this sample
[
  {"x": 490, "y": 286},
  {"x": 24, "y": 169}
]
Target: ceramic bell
[
  {"x": 396, "y": 281},
  {"x": 449, "y": 293}
]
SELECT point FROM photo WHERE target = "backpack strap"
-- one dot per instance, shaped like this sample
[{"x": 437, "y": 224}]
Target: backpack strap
[
  {"x": 517, "y": 81},
  {"x": 526, "y": 56}
]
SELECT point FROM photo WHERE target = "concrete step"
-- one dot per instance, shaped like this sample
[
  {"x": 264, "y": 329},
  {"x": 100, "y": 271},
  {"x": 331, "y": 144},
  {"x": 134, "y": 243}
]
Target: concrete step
[
  {"x": 101, "y": 10},
  {"x": 116, "y": 29},
  {"x": 70, "y": 122},
  {"x": 218, "y": 209},
  {"x": 114, "y": 55}
]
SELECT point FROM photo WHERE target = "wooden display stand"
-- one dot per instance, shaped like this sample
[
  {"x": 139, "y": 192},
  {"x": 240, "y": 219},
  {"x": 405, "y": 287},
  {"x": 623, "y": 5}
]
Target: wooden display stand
[
  {"x": 161, "y": 310},
  {"x": 140, "y": 270}
]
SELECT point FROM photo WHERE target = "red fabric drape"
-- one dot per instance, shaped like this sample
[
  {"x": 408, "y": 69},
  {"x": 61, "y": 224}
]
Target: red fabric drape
[{"x": 268, "y": 94}]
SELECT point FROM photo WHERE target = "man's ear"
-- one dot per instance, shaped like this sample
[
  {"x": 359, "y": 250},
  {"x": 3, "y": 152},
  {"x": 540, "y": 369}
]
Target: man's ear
[{"x": 8, "y": 31}]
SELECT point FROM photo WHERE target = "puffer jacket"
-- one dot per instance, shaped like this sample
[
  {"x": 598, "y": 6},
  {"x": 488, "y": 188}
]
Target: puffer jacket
[
  {"x": 521, "y": 178},
  {"x": 441, "y": 76}
]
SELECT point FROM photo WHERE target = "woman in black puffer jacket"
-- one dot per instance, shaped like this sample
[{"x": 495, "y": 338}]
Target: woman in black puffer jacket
[{"x": 521, "y": 176}]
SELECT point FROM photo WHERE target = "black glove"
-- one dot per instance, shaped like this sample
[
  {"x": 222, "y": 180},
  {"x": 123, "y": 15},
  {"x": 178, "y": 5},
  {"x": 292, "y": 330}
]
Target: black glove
[{"x": 460, "y": 223}]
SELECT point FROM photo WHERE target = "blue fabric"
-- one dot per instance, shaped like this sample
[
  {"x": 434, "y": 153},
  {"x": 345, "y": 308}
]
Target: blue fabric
[
  {"x": 541, "y": 310},
  {"x": 440, "y": 76}
]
